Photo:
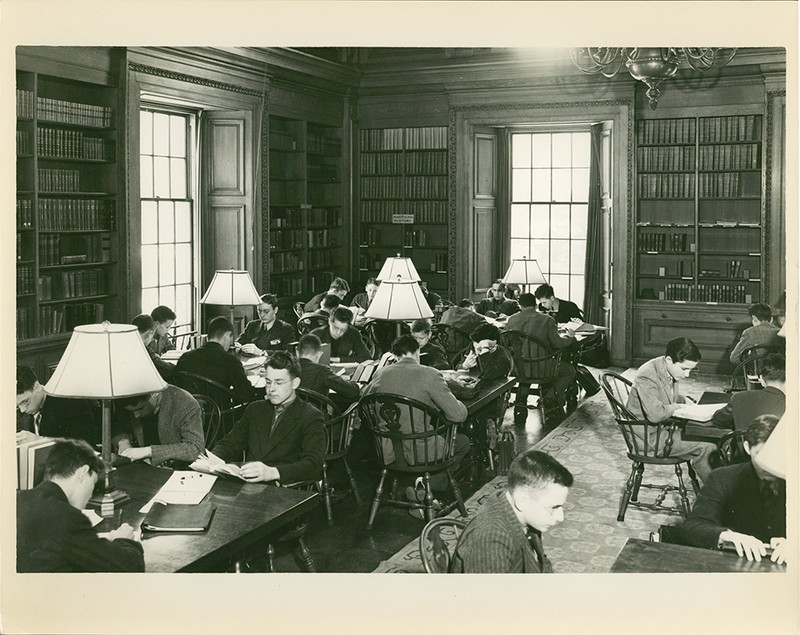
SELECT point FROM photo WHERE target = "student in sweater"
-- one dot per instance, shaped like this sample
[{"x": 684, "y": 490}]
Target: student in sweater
[
  {"x": 163, "y": 319},
  {"x": 762, "y": 333}
]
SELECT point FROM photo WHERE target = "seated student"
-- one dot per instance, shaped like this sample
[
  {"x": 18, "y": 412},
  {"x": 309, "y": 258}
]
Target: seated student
[
  {"x": 431, "y": 297},
  {"x": 363, "y": 300},
  {"x": 55, "y": 416},
  {"x": 409, "y": 378},
  {"x": 163, "y": 319},
  {"x": 338, "y": 287},
  {"x": 742, "y": 504},
  {"x": 497, "y": 305},
  {"x": 463, "y": 316},
  {"x": 430, "y": 353},
  {"x": 746, "y": 405},
  {"x": 328, "y": 305},
  {"x": 346, "y": 343},
  {"x": 52, "y": 533},
  {"x": 213, "y": 360},
  {"x": 487, "y": 357},
  {"x": 147, "y": 329},
  {"x": 762, "y": 333},
  {"x": 505, "y": 536},
  {"x": 562, "y": 311},
  {"x": 267, "y": 333},
  {"x": 655, "y": 397},
  {"x": 159, "y": 426},
  {"x": 321, "y": 379},
  {"x": 281, "y": 438}
]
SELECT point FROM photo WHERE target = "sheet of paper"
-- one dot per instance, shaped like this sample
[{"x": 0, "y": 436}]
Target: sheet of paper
[
  {"x": 184, "y": 487},
  {"x": 697, "y": 412},
  {"x": 93, "y": 516}
]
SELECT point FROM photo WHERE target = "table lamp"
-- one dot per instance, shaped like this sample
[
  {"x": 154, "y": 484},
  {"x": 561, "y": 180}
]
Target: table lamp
[
  {"x": 398, "y": 267},
  {"x": 524, "y": 272},
  {"x": 232, "y": 288},
  {"x": 399, "y": 300},
  {"x": 105, "y": 361}
]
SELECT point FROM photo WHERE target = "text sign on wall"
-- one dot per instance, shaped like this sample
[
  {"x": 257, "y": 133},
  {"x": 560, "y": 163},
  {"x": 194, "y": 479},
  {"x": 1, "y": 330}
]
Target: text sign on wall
[{"x": 403, "y": 219}]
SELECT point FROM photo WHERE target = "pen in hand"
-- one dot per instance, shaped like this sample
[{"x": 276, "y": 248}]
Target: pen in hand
[{"x": 690, "y": 399}]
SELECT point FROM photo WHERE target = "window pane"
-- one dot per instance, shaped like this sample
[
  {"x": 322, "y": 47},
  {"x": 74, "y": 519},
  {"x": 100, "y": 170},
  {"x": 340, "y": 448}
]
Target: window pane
[
  {"x": 578, "y": 255},
  {"x": 161, "y": 168},
  {"x": 149, "y": 266},
  {"x": 577, "y": 289},
  {"x": 177, "y": 136},
  {"x": 166, "y": 265},
  {"x": 561, "y": 185},
  {"x": 161, "y": 134},
  {"x": 145, "y": 132},
  {"x": 166, "y": 222},
  {"x": 559, "y": 256},
  {"x": 560, "y": 284},
  {"x": 149, "y": 299},
  {"x": 521, "y": 185},
  {"x": 581, "y": 148},
  {"x": 166, "y": 296},
  {"x": 540, "y": 221},
  {"x": 183, "y": 263},
  {"x": 541, "y": 185},
  {"x": 183, "y": 302},
  {"x": 559, "y": 219},
  {"x": 519, "y": 220},
  {"x": 519, "y": 248},
  {"x": 521, "y": 151},
  {"x": 149, "y": 220},
  {"x": 540, "y": 251},
  {"x": 580, "y": 219},
  {"x": 562, "y": 150},
  {"x": 580, "y": 184},
  {"x": 146, "y": 177},
  {"x": 183, "y": 222},
  {"x": 541, "y": 150},
  {"x": 177, "y": 178}
]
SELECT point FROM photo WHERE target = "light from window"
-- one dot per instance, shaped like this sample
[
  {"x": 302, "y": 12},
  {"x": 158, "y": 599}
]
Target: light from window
[{"x": 549, "y": 206}]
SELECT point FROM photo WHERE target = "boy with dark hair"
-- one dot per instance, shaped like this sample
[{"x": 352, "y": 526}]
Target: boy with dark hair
[
  {"x": 147, "y": 330},
  {"x": 321, "y": 379},
  {"x": 338, "y": 287},
  {"x": 163, "y": 319},
  {"x": 53, "y": 535},
  {"x": 346, "y": 343},
  {"x": 505, "y": 536},
  {"x": 282, "y": 437},
  {"x": 487, "y": 358},
  {"x": 746, "y": 405},
  {"x": 430, "y": 353},
  {"x": 762, "y": 332},
  {"x": 267, "y": 333},
  {"x": 562, "y": 311},
  {"x": 496, "y": 304}
]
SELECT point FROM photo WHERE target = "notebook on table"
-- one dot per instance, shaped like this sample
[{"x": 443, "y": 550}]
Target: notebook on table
[{"x": 189, "y": 518}]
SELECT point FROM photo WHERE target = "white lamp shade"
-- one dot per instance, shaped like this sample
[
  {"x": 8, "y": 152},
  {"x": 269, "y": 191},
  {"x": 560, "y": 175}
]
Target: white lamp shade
[
  {"x": 524, "y": 271},
  {"x": 232, "y": 288},
  {"x": 398, "y": 267},
  {"x": 104, "y": 361},
  {"x": 400, "y": 300}
]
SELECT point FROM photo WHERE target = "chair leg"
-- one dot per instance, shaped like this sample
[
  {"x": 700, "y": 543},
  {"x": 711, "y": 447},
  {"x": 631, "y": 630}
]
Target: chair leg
[
  {"x": 693, "y": 478},
  {"x": 353, "y": 485},
  {"x": 270, "y": 558},
  {"x": 637, "y": 482},
  {"x": 626, "y": 495},
  {"x": 457, "y": 493},
  {"x": 308, "y": 559},
  {"x": 326, "y": 493},
  {"x": 376, "y": 501},
  {"x": 393, "y": 489},
  {"x": 682, "y": 491},
  {"x": 429, "y": 511}
]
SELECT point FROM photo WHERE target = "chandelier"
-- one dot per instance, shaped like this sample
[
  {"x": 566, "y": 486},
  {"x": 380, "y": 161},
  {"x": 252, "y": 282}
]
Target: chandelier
[{"x": 649, "y": 65}]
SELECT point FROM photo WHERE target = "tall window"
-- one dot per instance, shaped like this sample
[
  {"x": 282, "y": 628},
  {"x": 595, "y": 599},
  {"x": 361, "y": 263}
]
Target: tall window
[
  {"x": 167, "y": 212},
  {"x": 549, "y": 205}
]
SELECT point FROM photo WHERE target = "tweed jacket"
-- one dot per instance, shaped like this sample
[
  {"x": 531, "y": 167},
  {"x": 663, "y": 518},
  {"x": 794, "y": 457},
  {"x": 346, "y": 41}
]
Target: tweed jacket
[
  {"x": 494, "y": 541},
  {"x": 322, "y": 379},
  {"x": 348, "y": 348},
  {"x": 214, "y": 362},
  {"x": 53, "y": 536},
  {"x": 746, "y": 405},
  {"x": 541, "y": 326},
  {"x": 656, "y": 391},
  {"x": 764, "y": 334},
  {"x": 296, "y": 447},
  {"x": 277, "y": 338}
]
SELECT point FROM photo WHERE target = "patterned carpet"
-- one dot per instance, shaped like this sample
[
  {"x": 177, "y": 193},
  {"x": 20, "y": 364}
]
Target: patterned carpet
[{"x": 590, "y": 445}]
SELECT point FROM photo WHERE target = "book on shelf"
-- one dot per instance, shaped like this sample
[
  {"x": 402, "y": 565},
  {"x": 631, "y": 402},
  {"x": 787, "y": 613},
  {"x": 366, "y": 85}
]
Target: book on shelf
[{"x": 178, "y": 518}]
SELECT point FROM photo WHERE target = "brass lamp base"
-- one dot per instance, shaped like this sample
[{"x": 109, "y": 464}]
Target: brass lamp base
[{"x": 117, "y": 496}]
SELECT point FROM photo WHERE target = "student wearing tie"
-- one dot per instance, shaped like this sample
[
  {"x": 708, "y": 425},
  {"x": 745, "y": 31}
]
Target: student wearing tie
[
  {"x": 505, "y": 536},
  {"x": 267, "y": 333}
]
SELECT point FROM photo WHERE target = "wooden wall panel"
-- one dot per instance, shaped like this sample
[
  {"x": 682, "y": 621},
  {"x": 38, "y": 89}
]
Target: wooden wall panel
[
  {"x": 485, "y": 226},
  {"x": 227, "y": 168},
  {"x": 485, "y": 179},
  {"x": 227, "y": 236}
]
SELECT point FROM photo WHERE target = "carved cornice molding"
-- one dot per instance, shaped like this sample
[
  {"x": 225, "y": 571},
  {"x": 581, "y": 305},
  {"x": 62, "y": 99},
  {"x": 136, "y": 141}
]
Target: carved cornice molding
[{"x": 192, "y": 79}]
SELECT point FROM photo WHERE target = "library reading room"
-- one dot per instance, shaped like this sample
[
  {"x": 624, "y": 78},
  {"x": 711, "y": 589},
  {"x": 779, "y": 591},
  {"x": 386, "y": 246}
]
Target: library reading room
[{"x": 401, "y": 310}]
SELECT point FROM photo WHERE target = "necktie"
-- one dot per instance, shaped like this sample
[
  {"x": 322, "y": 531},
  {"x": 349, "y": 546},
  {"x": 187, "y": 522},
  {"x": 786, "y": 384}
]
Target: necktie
[
  {"x": 535, "y": 540},
  {"x": 275, "y": 417},
  {"x": 37, "y": 420}
]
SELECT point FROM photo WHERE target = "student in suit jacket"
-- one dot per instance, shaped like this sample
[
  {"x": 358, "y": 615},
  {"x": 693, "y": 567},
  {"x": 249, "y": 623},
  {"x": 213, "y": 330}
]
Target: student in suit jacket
[
  {"x": 497, "y": 304},
  {"x": 505, "y": 536},
  {"x": 52, "y": 533},
  {"x": 746, "y": 405},
  {"x": 339, "y": 287},
  {"x": 430, "y": 353},
  {"x": 147, "y": 329},
  {"x": 345, "y": 340},
  {"x": 163, "y": 318},
  {"x": 267, "y": 333},
  {"x": 762, "y": 332},
  {"x": 281, "y": 438},
  {"x": 321, "y": 379}
]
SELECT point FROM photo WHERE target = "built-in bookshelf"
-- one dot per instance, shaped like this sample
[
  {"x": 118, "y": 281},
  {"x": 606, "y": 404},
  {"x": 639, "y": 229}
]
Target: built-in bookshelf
[
  {"x": 305, "y": 224},
  {"x": 403, "y": 199},
  {"x": 66, "y": 206}
]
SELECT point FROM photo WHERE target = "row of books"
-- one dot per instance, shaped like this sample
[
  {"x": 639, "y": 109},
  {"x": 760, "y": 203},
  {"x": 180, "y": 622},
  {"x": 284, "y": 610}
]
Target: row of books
[
  {"x": 653, "y": 241},
  {"x": 285, "y": 261},
  {"x": 287, "y": 287},
  {"x": 77, "y": 283},
  {"x": 665, "y": 158},
  {"x": 25, "y": 324},
  {"x": 58, "y": 180},
  {"x": 439, "y": 263},
  {"x": 372, "y": 262},
  {"x": 286, "y": 239},
  {"x": 666, "y": 185},
  {"x": 72, "y": 144},
  {"x": 69, "y": 214},
  {"x": 24, "y": 142},
  {"x": 665, "y": 131},
  {"x": 417, "y": 187},
  {"x": 371, "y": 237},
  {"x": 323, "y": 238},
  {"x": 60, "y": 111},
  {"x": 423, "y": 211},
  {"x": 426, "y": 138},
  {"x": 729, "y": 184},
  {"x": 58, "y": 318},
  {"x": 324, "y": 258},
  {"x": 680, "y": 268},
  {"x": 31, "y": 458},
  {"x": 325, "y": 216},
  {"x": 320, "y": 281},
  {"x": 419, "y": 238},
  {"x": 55, "y": 249},
  {"x": 320, "y": 144},
  {"x": 422, "y": 187},
  {"x": 24, "y": 213},
  {"x": 382, "y": 139},
  {"x": 389, "y": 163},
  {"x": 26, "y": 105},
  {"x": 26, "y": 279},
  {"x": 382, "y": 187},
  {"x": 734, "y": 128},
  {"x": 745, "y": 156},
  {"x": 286, "y": 218},
  {"x": 412, "y": 162},
  {"x": 22, "y": 251},
  {"x": 323, "y": 172},
  {"x": 686, "y": 292}
]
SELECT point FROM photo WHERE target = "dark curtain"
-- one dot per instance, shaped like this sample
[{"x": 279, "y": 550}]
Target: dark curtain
[{"x": 595, "y": 264}]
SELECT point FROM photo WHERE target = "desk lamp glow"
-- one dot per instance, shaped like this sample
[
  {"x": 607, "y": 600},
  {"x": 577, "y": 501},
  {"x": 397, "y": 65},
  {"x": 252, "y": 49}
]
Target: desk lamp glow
[
  {"x": 231, "y": 288},
  {"x": 399, "y": 301},
  {"x": 524, "y": 272}
]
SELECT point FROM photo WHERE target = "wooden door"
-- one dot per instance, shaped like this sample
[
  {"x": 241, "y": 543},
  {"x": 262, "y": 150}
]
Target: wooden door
[{"x": 486, "y": 232}]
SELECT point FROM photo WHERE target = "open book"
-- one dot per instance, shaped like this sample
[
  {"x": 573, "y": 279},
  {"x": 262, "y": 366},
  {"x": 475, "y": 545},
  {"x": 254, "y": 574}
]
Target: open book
[
  {"x": 697, "y": 412},
  {"x": 209, "y": 463}
]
